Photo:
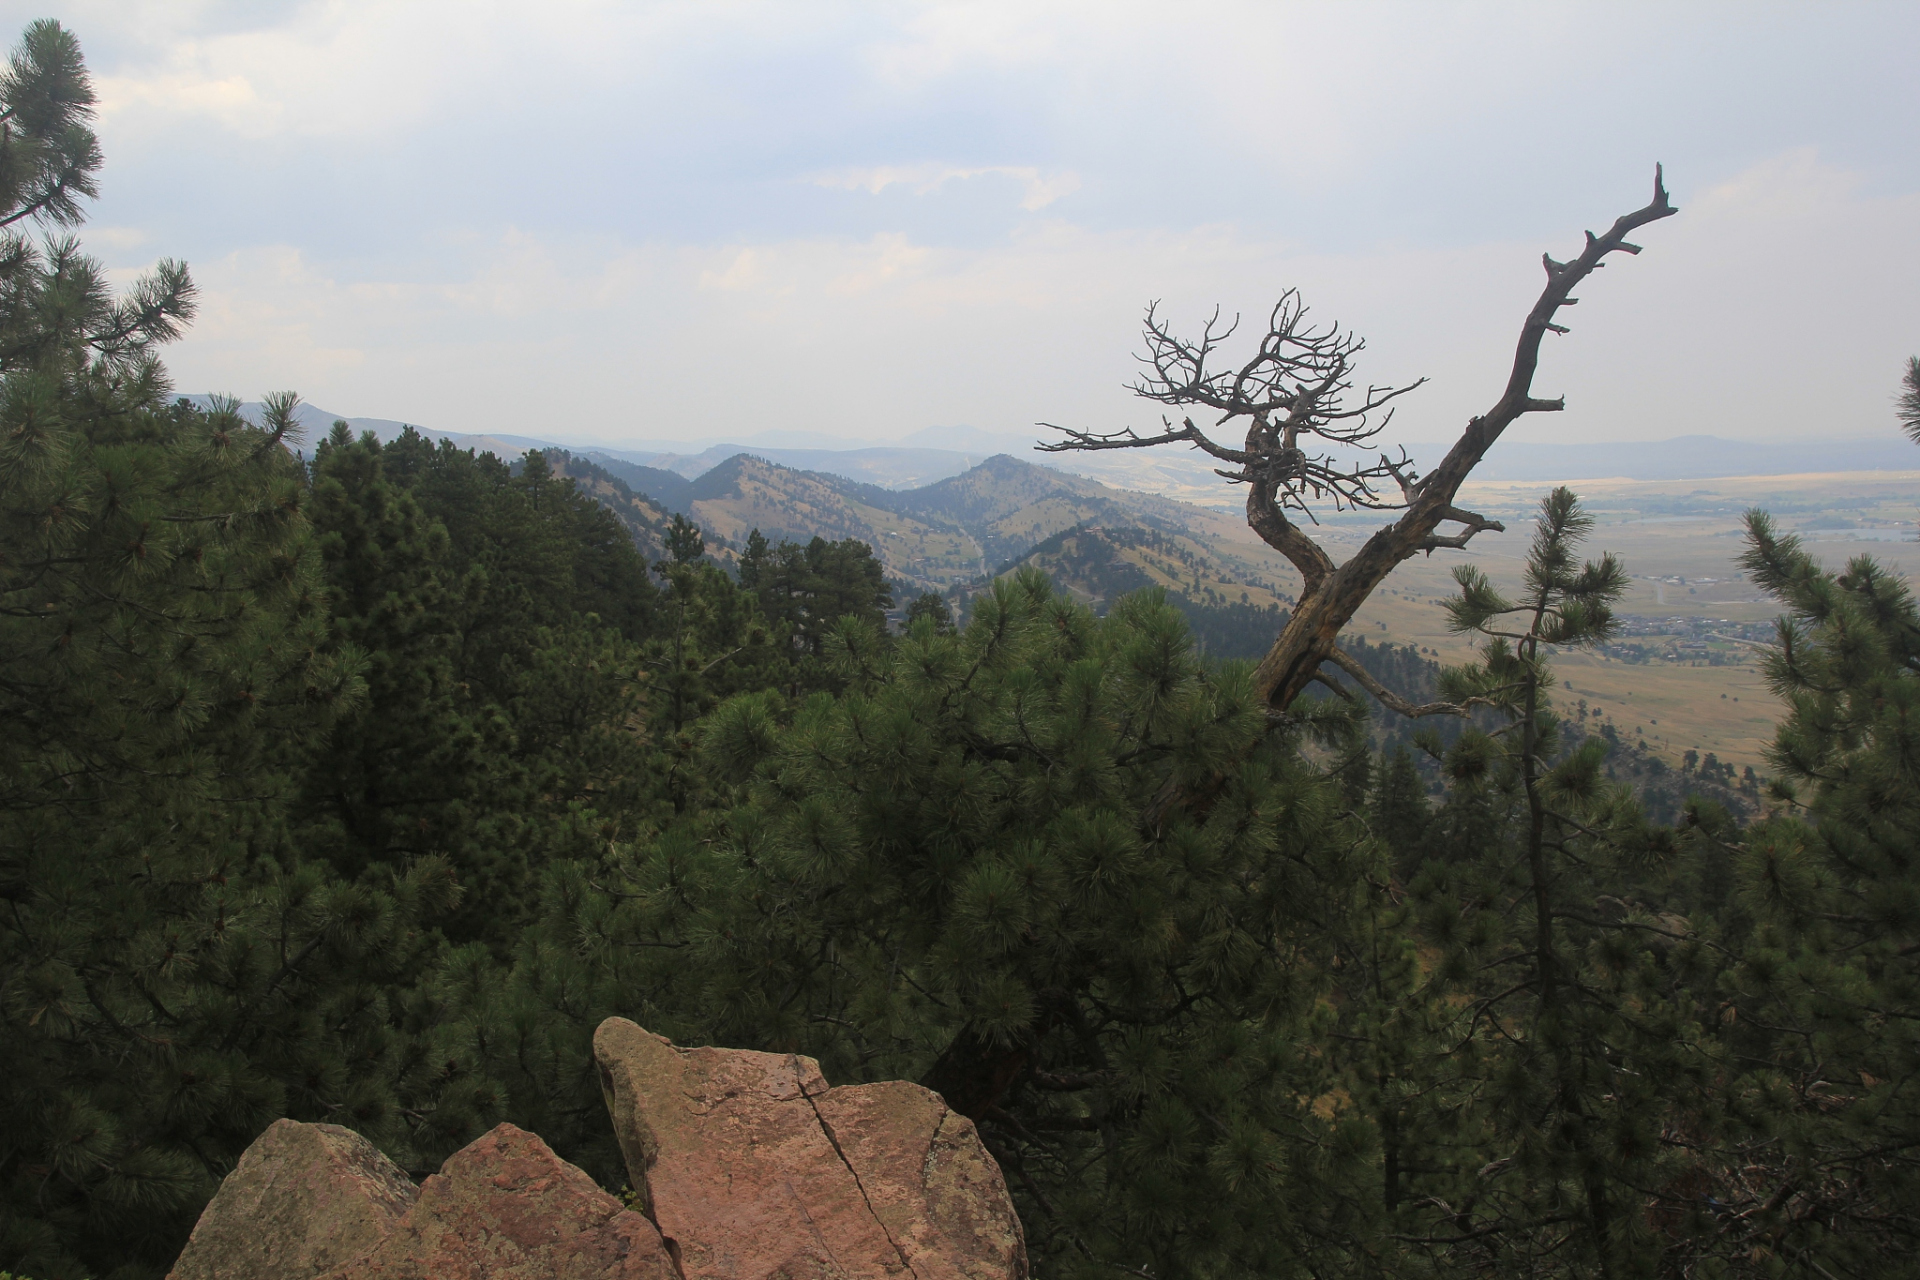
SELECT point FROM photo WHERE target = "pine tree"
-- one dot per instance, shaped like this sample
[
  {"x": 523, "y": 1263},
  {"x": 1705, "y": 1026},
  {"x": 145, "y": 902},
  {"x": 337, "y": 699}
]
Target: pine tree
[
  {"x": 403, "y": 768},
  {"x": 806, "y": 590},
  {"x": 685, "y": 543},
  {"x": 1824, "y": 909},
  {"x": 717, "y": 644},
  {"x": 48, "y": 154},
  {"x": 1399, "y": 808},
  {"x": 1533, "y": 1073},
  {"x": 172, "y": 976},
  {"x": 955, "y": 871},
  {"x": 175, "y": 978},
  {"x": 754, "y": 560},
  {"x": 932, "y": 606},
  {"x": 501, "y": 727}
]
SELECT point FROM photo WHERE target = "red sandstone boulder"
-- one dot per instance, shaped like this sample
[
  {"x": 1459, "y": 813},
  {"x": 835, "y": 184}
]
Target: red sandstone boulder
[
  {"x": 303, "y": 1199},
  {"x": 928, "y": 1179},
  {"x": 753, "y": 1169},
  {"x": 506, "y": 1208},
  {"x": 747, "y": 1163},
  {"x": 317, "y": 1202}
]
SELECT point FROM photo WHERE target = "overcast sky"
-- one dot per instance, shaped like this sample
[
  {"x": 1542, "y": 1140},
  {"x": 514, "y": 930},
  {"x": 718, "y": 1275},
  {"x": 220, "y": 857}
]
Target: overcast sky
[{"x": 692, "y": 222}]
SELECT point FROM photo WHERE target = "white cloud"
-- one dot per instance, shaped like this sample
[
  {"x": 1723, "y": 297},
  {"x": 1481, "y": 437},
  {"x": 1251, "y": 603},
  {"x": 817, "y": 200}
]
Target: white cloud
[
  {"x": 119, "y": 238},
  {"x": 746, "y": 271},
  {"x": 232, "y": 102},
  {"x": 944, "y": 38},
  {"x": 338, "y": 69},
  {"x": 1768, "y": 308},
  {"x": 270, "y": 319},
  {"x": 1042, "y": 189},
  {"x": 869, "y": 338},
  {"x": 596, "y": 215}
]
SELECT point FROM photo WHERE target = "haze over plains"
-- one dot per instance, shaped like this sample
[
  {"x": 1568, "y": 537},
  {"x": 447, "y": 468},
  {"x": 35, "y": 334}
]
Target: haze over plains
[{"x": 848, "y": 223}]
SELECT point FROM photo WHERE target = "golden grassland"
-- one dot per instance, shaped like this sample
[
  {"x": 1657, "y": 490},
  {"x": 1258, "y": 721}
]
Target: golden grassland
[{"x": 1680, "y": 541}]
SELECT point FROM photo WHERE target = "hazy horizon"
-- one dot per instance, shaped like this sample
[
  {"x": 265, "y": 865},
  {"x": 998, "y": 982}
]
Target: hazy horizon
[{"x": 933, "y": 454}]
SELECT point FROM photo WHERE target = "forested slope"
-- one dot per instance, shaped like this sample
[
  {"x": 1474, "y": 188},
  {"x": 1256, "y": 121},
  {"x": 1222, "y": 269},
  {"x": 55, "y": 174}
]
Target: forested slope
[{"x": 645, "y": 517}]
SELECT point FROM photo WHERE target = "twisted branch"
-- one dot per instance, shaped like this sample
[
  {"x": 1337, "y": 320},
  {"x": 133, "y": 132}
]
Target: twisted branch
[
  {"x": 1393, "y": 701},
  {"x": 1294, "y": 398}
]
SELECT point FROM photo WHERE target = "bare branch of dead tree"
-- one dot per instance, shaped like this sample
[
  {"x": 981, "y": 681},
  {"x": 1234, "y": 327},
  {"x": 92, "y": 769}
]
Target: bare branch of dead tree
[
  {"x": 1393, "y": 701},
  {"x": 1293, "y": 399},
  {"x": 1296, "y": 420}
]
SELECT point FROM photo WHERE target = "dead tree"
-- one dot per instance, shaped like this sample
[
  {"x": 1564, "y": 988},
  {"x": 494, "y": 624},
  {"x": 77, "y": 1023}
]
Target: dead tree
[{"x": 1295, "y": 398}]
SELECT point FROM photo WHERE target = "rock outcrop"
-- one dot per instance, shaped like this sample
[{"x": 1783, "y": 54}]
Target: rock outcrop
[
  {"x": 316, "y": 1202},
  {"x": 754, "y": 1169},
  {"x": 507, "y": 1207},
  {"x": 304, "y": 1199},
  {"x": 747, "y": 1166},
  {"x": 928, "y": 1179}
]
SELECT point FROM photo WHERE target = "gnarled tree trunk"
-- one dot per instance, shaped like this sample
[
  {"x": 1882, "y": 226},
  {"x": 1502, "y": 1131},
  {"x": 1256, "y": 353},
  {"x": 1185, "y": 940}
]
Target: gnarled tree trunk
[{"x": 1291, "y": 392}]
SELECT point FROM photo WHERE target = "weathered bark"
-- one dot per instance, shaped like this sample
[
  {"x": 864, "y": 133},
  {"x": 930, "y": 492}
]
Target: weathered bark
[{"x": 1330, "y": 597}]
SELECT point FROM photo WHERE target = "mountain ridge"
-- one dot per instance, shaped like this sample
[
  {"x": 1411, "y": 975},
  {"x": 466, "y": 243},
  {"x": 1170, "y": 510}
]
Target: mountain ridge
[{"x": 1174, "y": 472}]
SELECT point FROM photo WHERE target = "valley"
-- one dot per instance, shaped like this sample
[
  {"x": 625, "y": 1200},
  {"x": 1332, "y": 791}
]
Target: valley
[{"x": 1683, "y": 675}]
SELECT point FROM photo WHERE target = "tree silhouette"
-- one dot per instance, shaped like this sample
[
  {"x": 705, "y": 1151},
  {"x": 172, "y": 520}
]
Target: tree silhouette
[
  {"x": 1295, "y": 400},
  {"x": 1908, "y": 405}
]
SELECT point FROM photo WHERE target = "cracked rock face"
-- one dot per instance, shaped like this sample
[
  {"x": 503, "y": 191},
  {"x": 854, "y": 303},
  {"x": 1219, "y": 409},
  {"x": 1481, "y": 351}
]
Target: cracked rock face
[
  {"x": 312, "y": 1200},
  {"x": 748, "y": 1164},
  {"x": 754, "y": 1169}
]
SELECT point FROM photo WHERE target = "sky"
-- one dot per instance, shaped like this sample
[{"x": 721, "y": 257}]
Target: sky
[{"x": 863, "y": 223}]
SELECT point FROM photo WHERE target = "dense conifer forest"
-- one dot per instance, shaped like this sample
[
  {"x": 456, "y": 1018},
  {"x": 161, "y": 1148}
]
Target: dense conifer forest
[{"x": 358, "y": 782}]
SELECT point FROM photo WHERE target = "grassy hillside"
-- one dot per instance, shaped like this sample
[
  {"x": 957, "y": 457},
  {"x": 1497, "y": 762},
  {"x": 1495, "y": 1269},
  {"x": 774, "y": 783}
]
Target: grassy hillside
[
  {"x": 955, "y": 535},
  {"x": 745, "y": 493},
  {"x": 947, "y": 535},
  {"x": 1009, "y": 506}
]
